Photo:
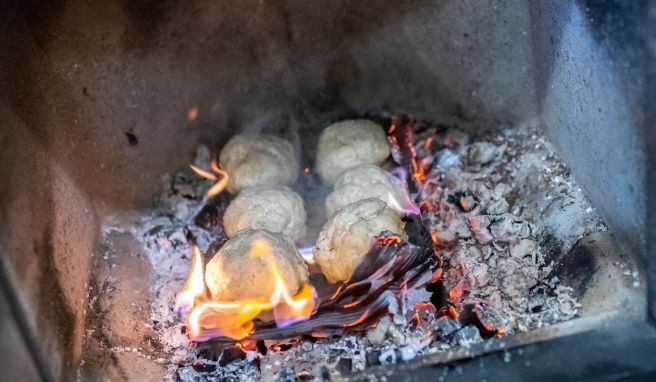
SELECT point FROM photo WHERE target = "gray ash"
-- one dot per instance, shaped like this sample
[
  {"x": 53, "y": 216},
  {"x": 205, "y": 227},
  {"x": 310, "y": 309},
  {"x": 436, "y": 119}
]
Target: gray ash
[
  {"x": 502, "y": 207},
  {"x": 497, "y": 204}
]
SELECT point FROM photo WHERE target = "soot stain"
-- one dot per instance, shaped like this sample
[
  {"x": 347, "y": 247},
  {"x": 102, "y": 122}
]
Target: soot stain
[
  {"x": 576, "y": 268},
  {"x": 132, "y": 139}
]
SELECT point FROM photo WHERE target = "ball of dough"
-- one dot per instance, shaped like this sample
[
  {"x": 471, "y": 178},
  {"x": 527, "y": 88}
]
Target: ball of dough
[
  {"x": 243, "y": 267},
  {"x": 347, "y": 235},
  {"x": 276, "y": 209},
  {"x": 365, "y": 182},
  {"x": 348, "y": 144},
  {"x": 262, "y": 160}
]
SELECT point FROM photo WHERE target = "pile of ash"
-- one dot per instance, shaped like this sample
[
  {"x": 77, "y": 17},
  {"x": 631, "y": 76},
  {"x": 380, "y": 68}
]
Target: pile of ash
[{"x": 501, "y": 207}]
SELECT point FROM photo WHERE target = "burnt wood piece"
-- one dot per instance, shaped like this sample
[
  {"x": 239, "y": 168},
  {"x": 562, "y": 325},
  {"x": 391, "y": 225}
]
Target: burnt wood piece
[
  {"x": 211, "y": 215},
  {"x": 577, "y": 267},
  {"x": 401, "y": 136}
]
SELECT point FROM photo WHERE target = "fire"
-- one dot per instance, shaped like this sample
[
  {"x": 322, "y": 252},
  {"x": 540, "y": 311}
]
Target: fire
[
  {"x": 220, "y": 183},
  {"x": 419, "y": 170},
  {"x": 405, "y": 207},
  {"x": 209, "y": 318},
  {"x": 453, "y": 312},
  {"x": 194, "y": 287}
]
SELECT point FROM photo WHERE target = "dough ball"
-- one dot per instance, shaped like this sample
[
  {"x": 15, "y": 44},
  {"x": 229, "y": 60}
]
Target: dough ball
[
  {"x": 348, "y": 144},
  {"x": 242, "y": 268},
  {"x": 365, "y": 182},
  {"x": 347, "y": 235},
  {"x": 276, "y": 209},
  {"x": 262, "y": 160}
]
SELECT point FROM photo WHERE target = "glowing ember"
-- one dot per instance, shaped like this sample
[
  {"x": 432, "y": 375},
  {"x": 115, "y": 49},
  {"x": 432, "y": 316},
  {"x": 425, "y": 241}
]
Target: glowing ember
[
  {"x": 453, "y": 312},
  {"x": 288, "y": 310},
  {"x": 221, "y": 182},
  {"x": 418, "y": 170},
  {"x": 192, "y": 114},
  {"x": 392, "y": 128},
  {"x": 209, "y": 318},
  {"x": 428, "y": 143}
]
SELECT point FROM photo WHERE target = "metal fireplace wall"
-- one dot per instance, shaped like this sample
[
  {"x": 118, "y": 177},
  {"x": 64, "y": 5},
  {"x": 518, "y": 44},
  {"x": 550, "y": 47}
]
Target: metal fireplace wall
[{"x": 95, "y": 99}]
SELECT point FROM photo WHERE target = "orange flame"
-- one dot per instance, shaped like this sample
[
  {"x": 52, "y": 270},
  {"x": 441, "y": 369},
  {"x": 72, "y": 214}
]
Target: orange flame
[
  {"x": 220, "y": 184},
  {"x": 209, "y": 318},
  {"x": 428, "y": 143},
  {"x": 417, "y": 171},
  {"x": 195, "y": 286},
  {"x": 290, "y": 309}
]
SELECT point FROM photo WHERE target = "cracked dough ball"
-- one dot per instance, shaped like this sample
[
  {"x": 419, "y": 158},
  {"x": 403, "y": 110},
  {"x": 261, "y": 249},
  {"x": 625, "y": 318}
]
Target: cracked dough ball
[
  {"x": 242, "y": 268},
  {"x": 262, "y": 160},
  {"x": 348, "y": 144},
  {"x": 364, "y": 182},
  {"x": 275, "y": 209},
  {"x": 347, "y": 235}
]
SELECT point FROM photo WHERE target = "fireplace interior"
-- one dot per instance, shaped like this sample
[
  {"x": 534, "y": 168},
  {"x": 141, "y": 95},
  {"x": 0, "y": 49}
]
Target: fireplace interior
[{"x": 540, "y": 111}]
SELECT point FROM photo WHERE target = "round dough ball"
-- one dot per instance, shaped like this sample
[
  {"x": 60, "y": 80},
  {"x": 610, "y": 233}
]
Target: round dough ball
[
  {"x": 276, "y": 209},
  {"x": 347, "y": 236},
  {"x": 242, "y": 268},
  {"x": 262, "y": 160},
  {"x": 348, "y": 144},
  {"x": 365, "y": 182}
]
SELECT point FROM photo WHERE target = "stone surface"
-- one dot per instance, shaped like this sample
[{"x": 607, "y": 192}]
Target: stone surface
[
  {"x": 120, "y": 343},
  {"x": 48, "y": 231},
  {"x": 589, "y": 83}
]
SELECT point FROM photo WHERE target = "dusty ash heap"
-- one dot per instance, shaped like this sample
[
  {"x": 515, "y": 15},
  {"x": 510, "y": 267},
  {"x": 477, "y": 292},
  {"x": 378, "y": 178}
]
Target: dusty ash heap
[{"x": 500, "y": 206}]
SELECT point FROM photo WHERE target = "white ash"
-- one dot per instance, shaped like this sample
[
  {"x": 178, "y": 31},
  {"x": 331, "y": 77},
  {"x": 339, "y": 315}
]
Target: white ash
[
  {"x": 162, "y": 232},
  {"x": 503, "y": 205},
  {"x": 519, "y": 204}
]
